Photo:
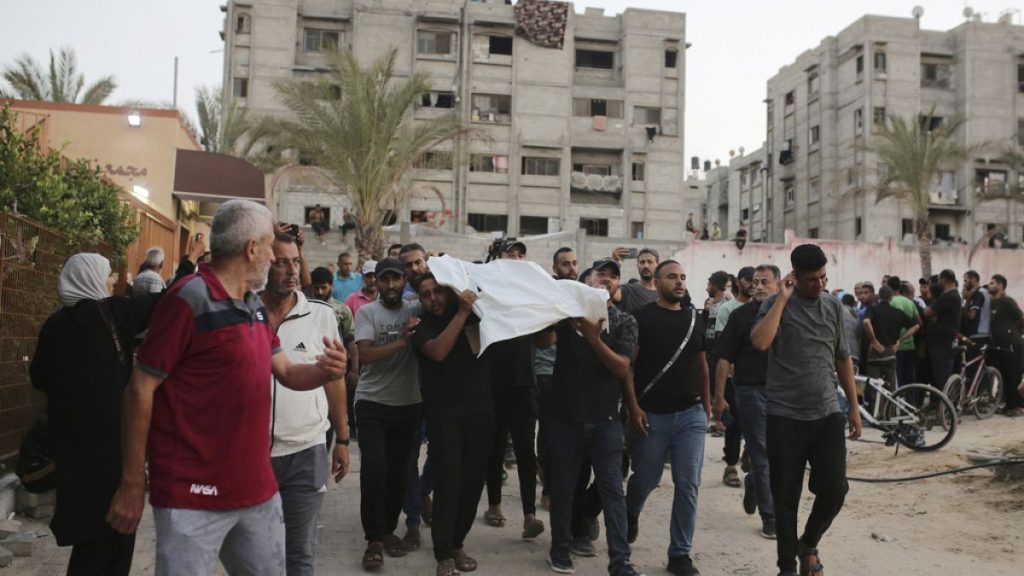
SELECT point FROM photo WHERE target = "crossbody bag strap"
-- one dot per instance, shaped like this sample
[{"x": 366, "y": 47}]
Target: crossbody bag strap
[
  {"x": 108, "y": 319},
  {"x": 672, "y": 360}
]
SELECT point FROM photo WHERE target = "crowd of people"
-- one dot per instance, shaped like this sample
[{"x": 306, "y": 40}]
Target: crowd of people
[{"x": 254, "y": 374}]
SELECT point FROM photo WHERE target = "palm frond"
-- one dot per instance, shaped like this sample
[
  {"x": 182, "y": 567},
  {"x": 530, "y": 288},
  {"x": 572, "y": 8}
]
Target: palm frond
[
  {"x": 99, "y": 91},
  {"x": 26, "y": 78}
]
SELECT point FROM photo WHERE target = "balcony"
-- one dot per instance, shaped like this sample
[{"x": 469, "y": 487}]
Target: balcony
[{"x": 596, "y": 176}]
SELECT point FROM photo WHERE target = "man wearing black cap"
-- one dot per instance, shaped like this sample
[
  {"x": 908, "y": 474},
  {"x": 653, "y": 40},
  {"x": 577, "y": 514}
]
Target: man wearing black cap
[
  {"x": 590, "y": 377},
  {"x": 514, "y": 389},
  {"x": 387, "y": 405},
  {"x": 802, "y": 328}
]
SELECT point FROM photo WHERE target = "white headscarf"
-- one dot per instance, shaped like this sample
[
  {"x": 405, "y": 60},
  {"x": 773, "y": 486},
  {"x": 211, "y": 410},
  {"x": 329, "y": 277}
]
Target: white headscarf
[{"x": 84, "y": 277}]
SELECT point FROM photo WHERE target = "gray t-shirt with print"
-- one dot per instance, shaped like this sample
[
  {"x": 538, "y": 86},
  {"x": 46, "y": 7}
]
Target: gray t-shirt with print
[
  {"x": 801, "y": 382},
  {"x": 393, "y": 381}
]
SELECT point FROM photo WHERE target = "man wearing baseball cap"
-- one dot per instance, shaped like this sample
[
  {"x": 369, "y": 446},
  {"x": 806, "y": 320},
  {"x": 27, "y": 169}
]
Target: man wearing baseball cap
[
  {"x": 590, "y": 377},
  {"x": 368, "y": 293},
  {"x": 802, "y": 328},
  {"x": 387, "y": 406}
]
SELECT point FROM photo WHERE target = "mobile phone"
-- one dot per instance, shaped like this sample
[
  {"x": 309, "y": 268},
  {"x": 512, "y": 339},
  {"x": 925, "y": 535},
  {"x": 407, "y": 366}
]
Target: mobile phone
[
  {"x": 293, "y": 230},
  {"x": 198, "y": 236},
  {"x": 633, "y": 253}
]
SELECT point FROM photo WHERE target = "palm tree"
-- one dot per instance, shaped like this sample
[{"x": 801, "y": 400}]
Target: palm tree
[
  {"x": 916, "y": 154},
  {"x": 61, "y": 83},
  {"x": 356, "y": 124}
]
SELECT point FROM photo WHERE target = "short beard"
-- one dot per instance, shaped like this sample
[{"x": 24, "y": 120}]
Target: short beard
[{"x": 671, "y": 298}]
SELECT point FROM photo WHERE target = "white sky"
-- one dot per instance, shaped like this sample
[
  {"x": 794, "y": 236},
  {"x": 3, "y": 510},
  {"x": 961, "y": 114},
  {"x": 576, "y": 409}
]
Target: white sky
[{"x": 737, "y": 46}]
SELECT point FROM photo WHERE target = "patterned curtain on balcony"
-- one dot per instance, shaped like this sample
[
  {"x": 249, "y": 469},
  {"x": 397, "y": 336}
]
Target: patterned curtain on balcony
[{"x": 542, "y": 22}]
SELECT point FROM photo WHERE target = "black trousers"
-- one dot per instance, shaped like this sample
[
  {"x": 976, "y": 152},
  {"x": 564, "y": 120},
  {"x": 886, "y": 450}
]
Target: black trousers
[
  {"x": 459, "y": 446},
  {"x": 792, "y": 445},
  {"x": 941, "y": 361},
  {"x": 386, "y": 437},
  {"x": 1007, "y": 359},
  {"x": 515, "y": 411},
  {"x": 110, "y": 555},
  {"x": 543, "y": 462},
  {"x": 733, "y": 432}
]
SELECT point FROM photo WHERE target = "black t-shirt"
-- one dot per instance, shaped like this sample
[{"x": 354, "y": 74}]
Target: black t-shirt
[
  {"x": 750, "y": 365},
  {"x": 887, "y": 322},
  {"x": 660, "y": 332},
  {"x": 583, "y": 391},
  {"x": 970, "y": 327},
  {"x": 512, "y": 362},
  {"x": 461, "y": 382},
  {"x": 947, "y": 319}
]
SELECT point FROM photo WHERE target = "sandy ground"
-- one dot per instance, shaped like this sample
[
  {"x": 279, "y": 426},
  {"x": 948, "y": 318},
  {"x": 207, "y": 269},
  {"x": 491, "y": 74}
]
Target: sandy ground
[{"x": 962, "y": 524}]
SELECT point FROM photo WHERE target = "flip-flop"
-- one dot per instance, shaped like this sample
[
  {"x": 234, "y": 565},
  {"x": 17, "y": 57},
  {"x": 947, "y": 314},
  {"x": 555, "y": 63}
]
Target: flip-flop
[
  {"x": 373, "y": 558},
  {"x": 394, "y": 546},
  {"x": 447, "y": 568},
  {"x": 463, "y": 562},
  {"x": 496, "y": 519},
  {"x": 732, "y": 478}
]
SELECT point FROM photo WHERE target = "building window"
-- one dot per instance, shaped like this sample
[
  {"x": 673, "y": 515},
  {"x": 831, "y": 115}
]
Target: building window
[
  {"x": 907, "y": 227},
  {"x": 931, "y": 123},
  {"x": 540, "y": 166},
  {"x": 857, "y": 226},
  {"x": 488, "y": 222},
  {"x": 880, "y": 62},
  {"x": 533, "y": 225},
  {"x": 1020, "y": 77},
  {"x": 814, "y": 135},
  {"x": 492, "y": 108},
  {"x": 320, "y": 40},
  {"x": 744, "y": 214},
  {"x": 438, "y": 100},
  {"x": 813, "y": 85},
  {"x": 670, "y": 58},
  {"x": 1020, "y": 132},
  {"x": 243, "y": 24},
  {"x": 878, "y": 116},
  {"x": 645, "y": 116},
  {"x": 595, "y": 226},
  {"x": 936, "y": 74},
  {"x": 240, "y": 88},
  {"x": 636, "y": 231},
  {"x": 588, "y": 169},
  {"x": 858, "y": 120},
  {"x": 883, "y": 172},
  {"x": 942, "y": 232},
  {"x": 488, "y": 163},
  {"x": 500, "y": 45},
  {"x": 860, "y": 66},
  {"x": 638, "y": 171},
  {"x": 434, "y": 42},
  {"x": 434, "y": 161},
  {"x": 812, "y": 233},
  {"x": 588, "y": 107},
  {"x": 789, "y": 191},
  {"x": 599, "y": 59},
  {"x": 814, "y": 188},
  {"x": 790, "y": 98}
]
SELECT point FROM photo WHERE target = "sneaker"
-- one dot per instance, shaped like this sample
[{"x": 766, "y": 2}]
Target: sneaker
[
  {"x": 593, "y": 529},
  {"x": 682, "y": 566},
  {"x": 583, "y": 547},
  {"x": 561, "y": 563},
  {"x": 632, "y": 528},
  {"x": 749, "y": 494},
  {"x": 768, "y": 528}
]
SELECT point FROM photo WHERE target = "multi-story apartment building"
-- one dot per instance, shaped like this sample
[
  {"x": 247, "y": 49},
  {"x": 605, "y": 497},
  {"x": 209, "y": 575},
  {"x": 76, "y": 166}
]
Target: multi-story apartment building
[
  {"x": 822, "y": 107},
  {"x": 586, "y": 136}
]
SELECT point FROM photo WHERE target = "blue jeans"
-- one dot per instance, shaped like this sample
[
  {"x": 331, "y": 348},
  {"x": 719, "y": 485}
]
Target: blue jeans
[
  {"x": 416, "y": 486},
  {"x": 569, "y": 444},
  {"x": 752, "y": 405},
  {"x": 680, "y": 434}
]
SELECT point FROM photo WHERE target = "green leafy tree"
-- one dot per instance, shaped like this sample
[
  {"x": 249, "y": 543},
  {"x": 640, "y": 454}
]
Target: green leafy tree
[
  {"x": 70, "y": 196},
  {"x": 62, "y": 82},
  {"x": 356, "y": 124},
  {"x": 915, "y": 155}
]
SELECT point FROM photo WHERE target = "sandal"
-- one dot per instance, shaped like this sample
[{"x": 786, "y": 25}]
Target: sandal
[
  {"x": 411, "y": 540},
  {"x": 447, "y": 568},
  {"x": 806, "y": 567},
  {"x": 394, "y": 546},
  {"x": 532, "y": 528},
  {"x": 731, "y": 477},
  {"x": 373, "y": 558},
  {"x": 494, "y": 518},
  {"x": 462, "y": 561}
]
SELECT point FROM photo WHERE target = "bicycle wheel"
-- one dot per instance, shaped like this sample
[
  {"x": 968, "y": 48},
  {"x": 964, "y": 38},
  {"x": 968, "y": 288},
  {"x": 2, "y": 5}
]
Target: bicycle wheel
[
  {"x": 954, "y": 391},
  {"x": 914, "y": 411},
  {"x": 986, "y": 397}
]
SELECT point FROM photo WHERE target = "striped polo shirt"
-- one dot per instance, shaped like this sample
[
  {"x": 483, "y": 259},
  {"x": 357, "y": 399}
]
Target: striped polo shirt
[{"x": 209, "y": 446}]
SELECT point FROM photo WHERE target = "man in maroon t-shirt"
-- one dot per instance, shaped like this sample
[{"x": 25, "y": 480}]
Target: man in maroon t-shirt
[{"x": 199, "y": 395}]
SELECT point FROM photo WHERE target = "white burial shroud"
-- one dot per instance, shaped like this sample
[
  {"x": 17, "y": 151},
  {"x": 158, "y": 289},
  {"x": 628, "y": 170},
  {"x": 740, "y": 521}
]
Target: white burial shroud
[{"x": 517, "y": 297}]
